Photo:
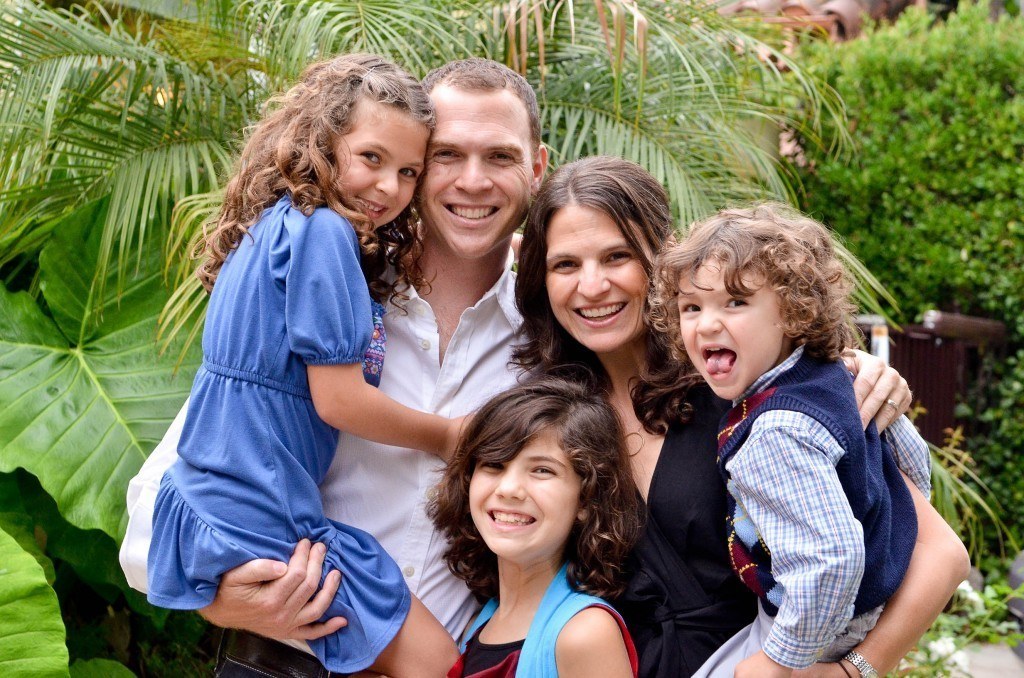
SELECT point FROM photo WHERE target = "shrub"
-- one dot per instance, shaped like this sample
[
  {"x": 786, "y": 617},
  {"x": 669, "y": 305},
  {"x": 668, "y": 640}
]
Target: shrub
[{"x": 932, "y": 199}]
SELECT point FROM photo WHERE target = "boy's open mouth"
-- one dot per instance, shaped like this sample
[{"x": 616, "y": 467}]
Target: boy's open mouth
[{"x": 719, "y": 360}]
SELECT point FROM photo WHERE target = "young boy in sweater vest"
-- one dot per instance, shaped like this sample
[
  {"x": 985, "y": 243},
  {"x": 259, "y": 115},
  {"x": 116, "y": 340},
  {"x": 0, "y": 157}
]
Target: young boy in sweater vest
[{"x": 821, "y": 524}]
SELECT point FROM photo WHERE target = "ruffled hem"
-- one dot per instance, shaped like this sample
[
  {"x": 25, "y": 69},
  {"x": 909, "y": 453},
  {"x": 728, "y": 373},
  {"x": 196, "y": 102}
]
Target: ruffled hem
[
  {"x": 186, "y": 555},
  {"x": 187, "y": 558}
]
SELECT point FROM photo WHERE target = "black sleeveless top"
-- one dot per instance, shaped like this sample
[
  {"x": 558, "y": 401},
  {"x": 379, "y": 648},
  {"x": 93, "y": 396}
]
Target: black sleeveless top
[
  {"x": 682, "y": 600},
  {"x": 485, "y": 660}
]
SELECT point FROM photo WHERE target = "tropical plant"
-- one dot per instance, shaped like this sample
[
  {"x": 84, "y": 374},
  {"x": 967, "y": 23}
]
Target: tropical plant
[{"x": 118, "y": 124}]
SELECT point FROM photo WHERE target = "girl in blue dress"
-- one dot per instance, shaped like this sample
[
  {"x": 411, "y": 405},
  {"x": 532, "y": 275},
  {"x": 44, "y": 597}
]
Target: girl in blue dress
[
  {"x": 543, "y": 474},
  {"x": 310, "y": 240}
]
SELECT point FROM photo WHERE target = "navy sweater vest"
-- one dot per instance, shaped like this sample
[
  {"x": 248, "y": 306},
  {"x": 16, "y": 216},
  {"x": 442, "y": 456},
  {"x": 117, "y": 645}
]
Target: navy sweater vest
[{"x": 868, "y": 473}]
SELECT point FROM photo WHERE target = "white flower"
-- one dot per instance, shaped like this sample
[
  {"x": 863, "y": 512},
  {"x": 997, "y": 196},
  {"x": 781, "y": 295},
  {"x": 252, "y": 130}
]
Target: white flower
[
  {"x": 961, "y": 661},
  {"x": 941, "y": 647},
  {"x": 967, "y": 593}
]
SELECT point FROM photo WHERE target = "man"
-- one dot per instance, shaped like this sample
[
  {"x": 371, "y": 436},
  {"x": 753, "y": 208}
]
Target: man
[{"x": 447, "y": 353}]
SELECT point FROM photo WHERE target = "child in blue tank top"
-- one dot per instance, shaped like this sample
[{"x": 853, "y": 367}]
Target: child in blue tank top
[
  {"x": 542, "y": 474},
  {"x": 821, "y": 522},
  {"x": 308, "y": 244}
]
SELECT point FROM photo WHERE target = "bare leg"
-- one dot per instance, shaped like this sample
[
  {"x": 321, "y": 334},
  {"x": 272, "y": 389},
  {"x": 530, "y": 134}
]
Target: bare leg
[{"x": 422, "y": 647}]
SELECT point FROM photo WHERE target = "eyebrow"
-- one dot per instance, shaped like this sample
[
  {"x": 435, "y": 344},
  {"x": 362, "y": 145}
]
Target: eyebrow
[
  {"x": 454, "y": 143},
  {"x": 546, "y": 458},
  {"x": 554, "y": 256}
]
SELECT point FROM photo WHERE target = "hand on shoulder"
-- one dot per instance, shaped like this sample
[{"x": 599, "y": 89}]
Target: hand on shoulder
[{"x": 591, "y": 644}]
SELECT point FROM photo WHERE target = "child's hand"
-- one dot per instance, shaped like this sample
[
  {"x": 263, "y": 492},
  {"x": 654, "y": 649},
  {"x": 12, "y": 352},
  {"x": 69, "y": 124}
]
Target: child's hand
[{"x": 760, "y": 666}]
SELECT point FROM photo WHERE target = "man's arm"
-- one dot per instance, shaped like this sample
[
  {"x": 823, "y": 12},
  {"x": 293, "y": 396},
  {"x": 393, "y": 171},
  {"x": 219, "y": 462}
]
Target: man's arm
[{"x": 263, "y": 596}]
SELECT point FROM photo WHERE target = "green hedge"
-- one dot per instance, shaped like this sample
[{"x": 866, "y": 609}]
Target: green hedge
[{"x": 933, "y": 198}]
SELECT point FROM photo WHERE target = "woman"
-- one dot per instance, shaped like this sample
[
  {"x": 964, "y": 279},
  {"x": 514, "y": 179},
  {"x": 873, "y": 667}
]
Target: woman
[{"x": 584, "y": 277}]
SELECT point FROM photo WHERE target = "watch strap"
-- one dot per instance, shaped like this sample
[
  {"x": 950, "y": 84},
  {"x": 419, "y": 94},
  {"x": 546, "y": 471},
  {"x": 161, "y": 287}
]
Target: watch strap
[{"x": 861, "y": 664}]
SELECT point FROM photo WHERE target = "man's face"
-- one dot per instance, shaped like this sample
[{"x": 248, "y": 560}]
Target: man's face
[{"x": 481, "y": 172}]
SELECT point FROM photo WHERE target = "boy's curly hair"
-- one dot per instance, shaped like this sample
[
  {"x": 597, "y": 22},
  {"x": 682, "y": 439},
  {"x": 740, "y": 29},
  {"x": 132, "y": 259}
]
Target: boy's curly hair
[
  {"x": 588, "y": 431},
  {"x": 767, "y": 244},
  {"x": 294, "y": 149}
]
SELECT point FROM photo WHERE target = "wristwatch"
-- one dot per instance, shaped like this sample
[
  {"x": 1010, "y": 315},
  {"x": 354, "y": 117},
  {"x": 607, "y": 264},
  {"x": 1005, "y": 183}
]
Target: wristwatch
[{"x": 861, "y": 664}]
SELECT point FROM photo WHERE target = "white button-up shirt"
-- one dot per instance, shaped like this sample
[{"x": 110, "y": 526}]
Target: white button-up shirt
[{"x": 381, "y": 489}]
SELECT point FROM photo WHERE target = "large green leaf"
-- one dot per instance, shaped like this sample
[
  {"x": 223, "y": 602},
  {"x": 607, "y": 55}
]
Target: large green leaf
[
  {"x": 31, "y": 630},
  {"x": 16, "y": 521},
  {"x": 84, "y": 394}
]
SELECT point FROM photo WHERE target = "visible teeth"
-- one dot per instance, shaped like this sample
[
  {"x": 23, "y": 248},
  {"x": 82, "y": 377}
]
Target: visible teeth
[
  {"x": 471, "y": 212},
  {"x": 601, "y": 311},
  {"x": 511, "y": 518}
]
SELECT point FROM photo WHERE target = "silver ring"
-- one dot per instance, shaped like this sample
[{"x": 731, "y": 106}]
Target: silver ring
[{"x": 893, "y": 404}]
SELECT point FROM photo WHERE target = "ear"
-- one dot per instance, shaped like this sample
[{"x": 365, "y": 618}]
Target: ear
[
  {"x": 539, "y": 167},
  {"x": 582, "y": 515}
]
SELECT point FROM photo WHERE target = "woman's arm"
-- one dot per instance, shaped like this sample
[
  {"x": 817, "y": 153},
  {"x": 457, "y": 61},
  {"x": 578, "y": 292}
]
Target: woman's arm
[
  {"x": 344, "y": 400},
  {"x": 877, "y": 386},
  {"x": 591, "y": 644},
  {"x": 940, "y": 562}
]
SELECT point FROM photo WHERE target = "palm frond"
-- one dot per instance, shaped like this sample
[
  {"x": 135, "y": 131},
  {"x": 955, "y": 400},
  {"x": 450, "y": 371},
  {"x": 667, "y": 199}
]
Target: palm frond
[
  {"x": 966, "y": 509},
  {"x": 417, "y": 33},
  {"x": 91, "y": 110}
]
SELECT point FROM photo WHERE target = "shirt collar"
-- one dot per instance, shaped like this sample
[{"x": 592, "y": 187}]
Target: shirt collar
[
  {"x": 766, "y": 379},
  {"x": 502, "y": 292}
]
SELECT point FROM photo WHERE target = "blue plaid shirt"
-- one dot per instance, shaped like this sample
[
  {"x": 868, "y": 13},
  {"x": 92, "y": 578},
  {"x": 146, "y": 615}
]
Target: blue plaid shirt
[{"x": 784, "y": 478}]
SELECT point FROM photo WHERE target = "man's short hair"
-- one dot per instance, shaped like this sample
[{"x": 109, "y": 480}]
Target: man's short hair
[{"x": 485, "y": 75}]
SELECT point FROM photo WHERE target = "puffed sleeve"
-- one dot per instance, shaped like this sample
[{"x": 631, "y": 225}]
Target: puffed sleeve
[{"x": 327, "y": 305}]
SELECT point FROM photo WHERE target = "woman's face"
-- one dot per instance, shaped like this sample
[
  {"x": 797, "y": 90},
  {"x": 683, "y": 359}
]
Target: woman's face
[{"x": 596, "y": 282}]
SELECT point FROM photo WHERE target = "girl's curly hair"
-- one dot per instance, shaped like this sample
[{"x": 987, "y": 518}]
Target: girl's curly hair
[
  {"x": 767, "y": 244},
  {"x": 294, "y": 149},
  {"x": 638, "y": 204},
  {"x": 589, "y": 433}
]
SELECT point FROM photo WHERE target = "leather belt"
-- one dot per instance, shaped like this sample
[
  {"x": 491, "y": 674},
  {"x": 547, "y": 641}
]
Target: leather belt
[{"x": 269, "y": 657}]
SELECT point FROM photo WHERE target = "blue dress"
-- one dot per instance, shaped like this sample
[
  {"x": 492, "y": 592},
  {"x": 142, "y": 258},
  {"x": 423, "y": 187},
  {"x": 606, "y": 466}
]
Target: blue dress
[{"x": 253, "y": 450}]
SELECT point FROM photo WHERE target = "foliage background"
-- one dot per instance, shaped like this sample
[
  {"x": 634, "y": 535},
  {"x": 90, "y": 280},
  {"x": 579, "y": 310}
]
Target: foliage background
[
  {"x": 931, "y": 197},
  {"x": 118, "y": 125}
]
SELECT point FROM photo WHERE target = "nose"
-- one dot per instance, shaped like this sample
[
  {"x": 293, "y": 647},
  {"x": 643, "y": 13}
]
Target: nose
[
  {"x": 473, "y": 176},
  {"x": 592, "y": 281},
  {"x": 510, "y": 485},
  {"x": 708, "y": 322},
  {"x": 387, "y": 183}
]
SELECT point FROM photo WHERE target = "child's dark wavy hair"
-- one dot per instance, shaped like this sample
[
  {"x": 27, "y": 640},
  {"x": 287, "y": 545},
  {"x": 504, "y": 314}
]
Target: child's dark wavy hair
[
  {"x": 293, "y": 149},
  {"x": 588, "y": 431},
  {"x": 770, "y": 244}
]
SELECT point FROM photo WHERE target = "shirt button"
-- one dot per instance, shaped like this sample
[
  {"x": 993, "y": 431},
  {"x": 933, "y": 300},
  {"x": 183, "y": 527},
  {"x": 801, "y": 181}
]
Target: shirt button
[
  {"x": 431, "y": 493},
  {"x": 408, "y": 570},
  {"x": 420, "y": 310},
  {"x": 425, "y": 345}
]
